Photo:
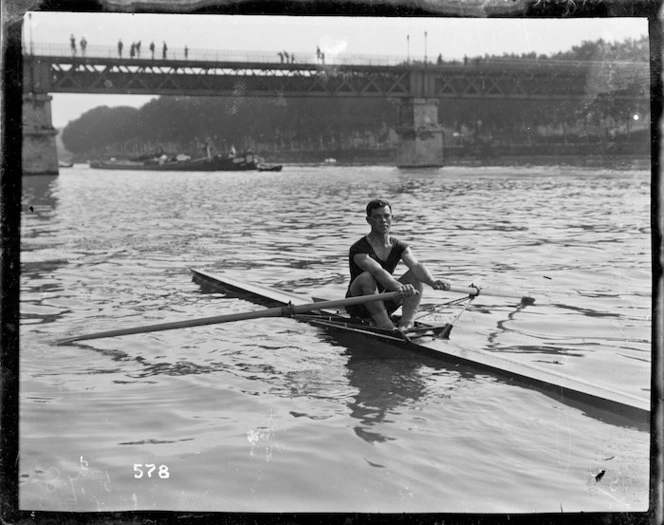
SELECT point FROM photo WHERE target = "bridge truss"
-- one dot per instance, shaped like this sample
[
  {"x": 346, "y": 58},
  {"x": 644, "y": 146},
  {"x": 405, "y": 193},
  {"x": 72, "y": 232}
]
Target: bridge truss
[{"x": 491, "y": 80}]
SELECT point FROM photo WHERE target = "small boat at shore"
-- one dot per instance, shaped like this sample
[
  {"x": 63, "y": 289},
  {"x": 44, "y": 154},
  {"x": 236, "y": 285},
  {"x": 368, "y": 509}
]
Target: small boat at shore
[
  {"x": 269, "y": 167},
  {"x": 243, "y": 162},
  {"x": 63, "y": 164}
]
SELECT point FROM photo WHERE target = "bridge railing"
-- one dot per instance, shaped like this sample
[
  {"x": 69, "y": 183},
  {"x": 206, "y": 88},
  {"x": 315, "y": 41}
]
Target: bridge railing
[
  {"x": 207, "y": 55},
  {"x": 298, "y": 57}
]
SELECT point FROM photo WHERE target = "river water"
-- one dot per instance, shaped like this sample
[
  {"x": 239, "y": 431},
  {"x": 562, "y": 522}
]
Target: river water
[{"x": 276, "y": 415}]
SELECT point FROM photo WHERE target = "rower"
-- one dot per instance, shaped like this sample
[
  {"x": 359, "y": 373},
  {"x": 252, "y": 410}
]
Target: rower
[{"x": 372, "y": 262}]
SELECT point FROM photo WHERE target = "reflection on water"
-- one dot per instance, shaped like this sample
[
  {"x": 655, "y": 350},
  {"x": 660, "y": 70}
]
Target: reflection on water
[
  {"x": 388, "y": 380},
  {"x": 111, "y": 250},
  {"x": 39, "y": 195}
]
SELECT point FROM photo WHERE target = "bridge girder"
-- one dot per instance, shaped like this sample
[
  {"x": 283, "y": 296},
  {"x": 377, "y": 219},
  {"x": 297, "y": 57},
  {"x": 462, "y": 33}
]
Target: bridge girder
[{"x": 183, "y": 78}]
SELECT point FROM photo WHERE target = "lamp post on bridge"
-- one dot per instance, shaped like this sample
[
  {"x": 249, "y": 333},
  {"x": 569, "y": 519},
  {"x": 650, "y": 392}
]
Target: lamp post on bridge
[
  {"x": 32, "y": 50},
  {"x": 32, "y": 55},
  {"x": 425, "y": 48},
  {"x": 408, "y": 49}
]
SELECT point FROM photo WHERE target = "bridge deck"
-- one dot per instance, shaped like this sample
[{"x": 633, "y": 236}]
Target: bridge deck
[{"x": 53, "y": 68}]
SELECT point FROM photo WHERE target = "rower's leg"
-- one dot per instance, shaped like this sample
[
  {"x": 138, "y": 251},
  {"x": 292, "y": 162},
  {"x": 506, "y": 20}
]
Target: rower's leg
[
  {"x": 410, "y": 304},
  {"x": 365, "y": 284}
]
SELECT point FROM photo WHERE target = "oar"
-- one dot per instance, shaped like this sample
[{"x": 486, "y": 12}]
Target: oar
[
  {"x": 281, "y": 311},
  {"x": 472, "y": 290}
]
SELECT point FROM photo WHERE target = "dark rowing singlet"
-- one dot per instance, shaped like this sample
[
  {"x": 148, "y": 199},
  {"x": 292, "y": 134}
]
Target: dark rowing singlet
[{"x": 363, "y": 246}]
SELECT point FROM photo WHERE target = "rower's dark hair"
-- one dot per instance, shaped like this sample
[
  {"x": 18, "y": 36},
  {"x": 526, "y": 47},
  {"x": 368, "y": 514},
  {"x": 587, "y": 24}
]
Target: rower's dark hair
[{"x": 377, "y": 203}]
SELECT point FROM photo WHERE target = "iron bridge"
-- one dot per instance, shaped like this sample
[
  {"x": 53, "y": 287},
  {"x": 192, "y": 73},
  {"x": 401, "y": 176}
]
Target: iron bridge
[{"x": 490, "y": 79}]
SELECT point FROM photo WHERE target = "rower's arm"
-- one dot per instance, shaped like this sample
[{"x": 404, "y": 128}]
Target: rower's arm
[
  {"x": 381, "y": 275},
  {"x": 421, "y": 272}
]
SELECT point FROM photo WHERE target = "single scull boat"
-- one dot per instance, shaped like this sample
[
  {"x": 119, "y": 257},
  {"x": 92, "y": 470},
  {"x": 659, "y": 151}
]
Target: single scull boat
[
  {"x": 429, "y": 338},
  {"x": 433, "y": 340}
]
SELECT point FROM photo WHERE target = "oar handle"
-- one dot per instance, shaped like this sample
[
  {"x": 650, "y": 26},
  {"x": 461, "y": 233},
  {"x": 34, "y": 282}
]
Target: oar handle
[{"x": 471, "y": 290}]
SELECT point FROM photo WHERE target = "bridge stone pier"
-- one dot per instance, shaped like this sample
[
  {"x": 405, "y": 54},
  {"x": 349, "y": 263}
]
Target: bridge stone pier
[
  {"x": 420, "y": 135},
  {"x": 39, "y": 153}
]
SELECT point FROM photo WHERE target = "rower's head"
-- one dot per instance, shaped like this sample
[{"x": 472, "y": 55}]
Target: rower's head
[
  {"x": 379, "y": 215},
  {"x": 377, "y": 203}
]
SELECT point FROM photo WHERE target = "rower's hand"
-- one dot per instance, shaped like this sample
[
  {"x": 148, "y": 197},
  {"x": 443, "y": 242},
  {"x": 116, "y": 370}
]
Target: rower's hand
[
  {"x": 407, "y": 290},
  {"x": 441, "y": 285}
]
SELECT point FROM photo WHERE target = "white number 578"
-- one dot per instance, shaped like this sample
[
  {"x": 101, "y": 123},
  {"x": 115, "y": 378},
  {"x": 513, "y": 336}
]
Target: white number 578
[{"x": 150, "y": 468}]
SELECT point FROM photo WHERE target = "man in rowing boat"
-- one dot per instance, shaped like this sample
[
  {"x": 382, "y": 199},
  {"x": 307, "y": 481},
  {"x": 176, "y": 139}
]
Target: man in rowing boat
[{"x": 372, "y": 262}]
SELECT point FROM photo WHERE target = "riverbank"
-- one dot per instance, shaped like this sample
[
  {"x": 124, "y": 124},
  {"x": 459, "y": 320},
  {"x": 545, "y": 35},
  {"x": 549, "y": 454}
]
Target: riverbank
[
  {"x": 620, "y": 162},
  {"x": 535, "y": 155},
  {"x": 595, "y": 161}
]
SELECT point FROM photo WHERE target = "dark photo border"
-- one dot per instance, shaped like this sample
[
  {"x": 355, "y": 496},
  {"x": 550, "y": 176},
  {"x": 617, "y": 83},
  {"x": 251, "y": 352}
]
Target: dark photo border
[{"x": 10, "y": 209}]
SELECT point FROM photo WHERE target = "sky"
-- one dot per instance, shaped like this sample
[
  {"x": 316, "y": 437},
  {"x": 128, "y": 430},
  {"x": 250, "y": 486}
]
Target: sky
[{"x": 340, "y": 36}]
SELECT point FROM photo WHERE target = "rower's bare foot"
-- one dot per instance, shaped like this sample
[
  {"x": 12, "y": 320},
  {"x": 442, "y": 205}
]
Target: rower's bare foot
[
  {"x": 389, "y": 326},
  {"x": 405, "y": 328}
]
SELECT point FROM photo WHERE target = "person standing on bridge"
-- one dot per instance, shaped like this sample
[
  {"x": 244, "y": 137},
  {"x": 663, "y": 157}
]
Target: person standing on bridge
[
  {"x": 152, "y": 49},
  {"x": 138, "y": 49},
  {"x": 72, "y": 41},
  {"x": 132, "y": 50},
  {"x": 186, "y": 52},
  {"x": 372, "y": 261},
  {"x": 164, "y": 49},
  {"x": 84, "y": 44},
  {"x": 120, "y": 48}
]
